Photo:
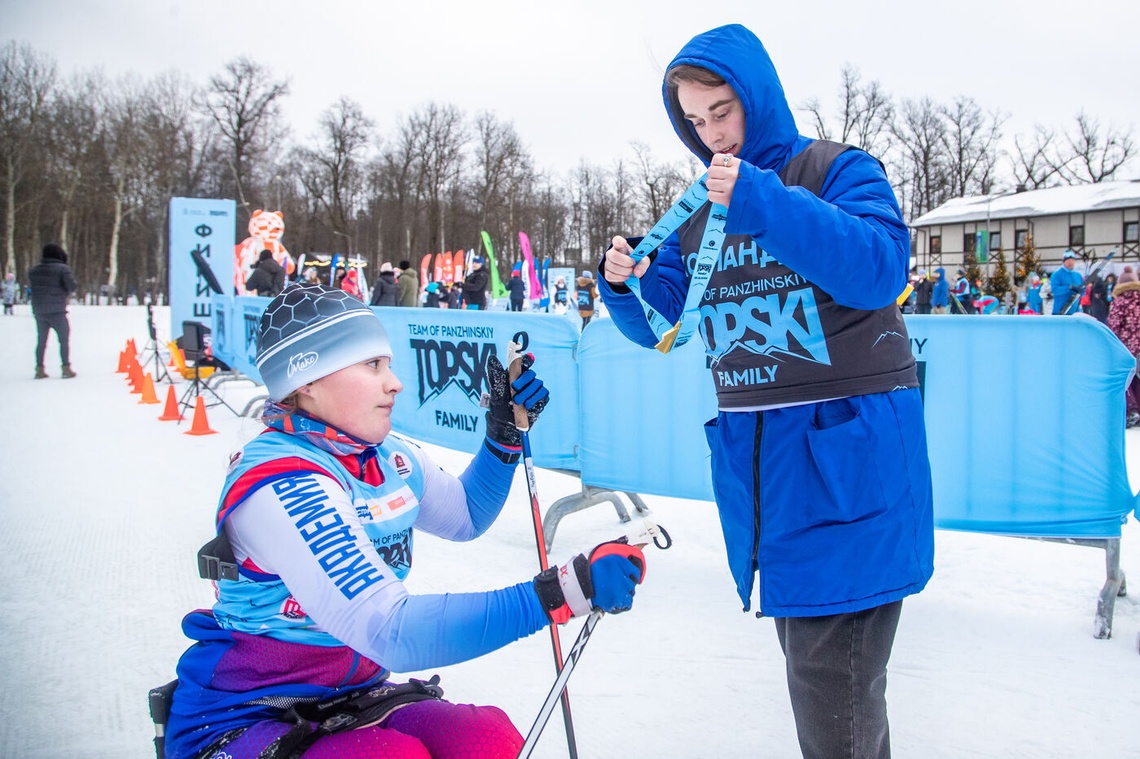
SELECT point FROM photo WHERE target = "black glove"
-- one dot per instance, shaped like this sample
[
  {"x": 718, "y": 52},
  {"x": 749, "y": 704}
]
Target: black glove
[
  {"x": 527, "y": 391},
  {"x": 607, "y": 581}
]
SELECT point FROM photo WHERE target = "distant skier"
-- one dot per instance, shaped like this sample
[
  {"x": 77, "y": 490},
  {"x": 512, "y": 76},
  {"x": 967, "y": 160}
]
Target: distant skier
[
  {"x": 1066, "y": 284},
  {"x": 319, "y": 512}
]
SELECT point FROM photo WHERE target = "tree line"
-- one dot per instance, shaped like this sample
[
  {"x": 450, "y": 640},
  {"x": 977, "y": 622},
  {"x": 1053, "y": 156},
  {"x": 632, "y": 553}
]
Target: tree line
[{"x": 92, "y": 162}]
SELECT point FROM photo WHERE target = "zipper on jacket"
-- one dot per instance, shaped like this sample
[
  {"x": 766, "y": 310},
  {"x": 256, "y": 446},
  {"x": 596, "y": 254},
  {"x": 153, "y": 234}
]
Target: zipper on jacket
[{"x": 756, "y": 521}]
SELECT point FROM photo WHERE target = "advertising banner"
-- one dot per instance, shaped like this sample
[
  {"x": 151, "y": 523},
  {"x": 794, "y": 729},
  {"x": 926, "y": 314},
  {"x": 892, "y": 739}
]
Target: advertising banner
[{"x": 201, "y": 256}]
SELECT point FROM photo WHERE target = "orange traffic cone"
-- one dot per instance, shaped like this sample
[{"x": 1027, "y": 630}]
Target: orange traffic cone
[
  {"x": 131, "y": 349},
  {"x": 172, "y": 346},
  {"x": 170, "y": 413},
  {"x": 135, "y": 377},
  {"x": 200, "y": 426},
  {"x": 122, "y": 363},
  {"x": 148, "y": 395}
]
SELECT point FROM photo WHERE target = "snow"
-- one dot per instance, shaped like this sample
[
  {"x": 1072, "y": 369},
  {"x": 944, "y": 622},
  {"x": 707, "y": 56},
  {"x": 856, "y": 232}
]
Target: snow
[
  {"x": 104, "y": 508},
  {"x": 1101, "y": 196}
]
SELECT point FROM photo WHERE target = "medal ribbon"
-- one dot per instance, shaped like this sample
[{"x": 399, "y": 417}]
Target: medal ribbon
[{"x": 671, "y": 336}]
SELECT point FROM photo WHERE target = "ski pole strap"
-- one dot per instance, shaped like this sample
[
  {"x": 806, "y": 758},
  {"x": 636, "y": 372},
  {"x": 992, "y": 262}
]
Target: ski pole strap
[{"x": 669, "y": 335}]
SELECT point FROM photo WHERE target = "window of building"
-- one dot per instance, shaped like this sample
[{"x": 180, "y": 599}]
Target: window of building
[
  {"x": 995, "y": 240},
  {"x": 936, "y": 245},
  {"x": 1077, "y": 236},
  {"x": 969, "y": 243},
  {"x": 1132, "y": 231}
]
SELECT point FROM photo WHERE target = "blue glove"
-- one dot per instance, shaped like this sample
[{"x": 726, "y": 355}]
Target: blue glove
[
  {"x": 527, "y": 391},
  {"x": 607, "y": 580}
]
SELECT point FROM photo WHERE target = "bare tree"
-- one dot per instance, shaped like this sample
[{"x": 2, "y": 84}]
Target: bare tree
[
  {"x": 921, "y": 142},
  {"x": 659, "y": 184},
  {"x": 122, "y": 133},
  {"x": 334, "y": 172},
  {"x": 972, "y": 144},
  {"x": 27, "y": 79},
  {"x": 71, "y": 134},
  {"x": 244, "y": 101},
  {"x": 173, "y": 146},
  {"x": 1096, "y": 156},
  {"x": 1035, "y": 160},
  {"x": 865, "y": 114},
  {"x": 500, "y": 162},
  {"x": 438, "y": 137}
]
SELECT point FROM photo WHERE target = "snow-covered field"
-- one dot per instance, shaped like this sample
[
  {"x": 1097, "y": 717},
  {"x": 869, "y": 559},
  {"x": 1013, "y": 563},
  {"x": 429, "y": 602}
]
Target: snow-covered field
[{"x": 104, "y": 507}]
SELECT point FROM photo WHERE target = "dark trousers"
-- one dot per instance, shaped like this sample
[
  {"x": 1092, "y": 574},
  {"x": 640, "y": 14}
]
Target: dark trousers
[
  {"x": 46, "y": 323},
  {"x": 837, "y": 680},
  {"x": 516, "y": 305},
  {"x": 922, "y": 308}
]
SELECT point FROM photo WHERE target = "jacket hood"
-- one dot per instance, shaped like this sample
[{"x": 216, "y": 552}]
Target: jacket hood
[
  {"x": 737, "y": 55},
  {"x": 941, "y": 273}
]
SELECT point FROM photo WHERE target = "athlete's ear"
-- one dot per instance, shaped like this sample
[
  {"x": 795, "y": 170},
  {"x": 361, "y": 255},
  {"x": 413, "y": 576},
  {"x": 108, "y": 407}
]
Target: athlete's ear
[{"x": 306, "y": 389}]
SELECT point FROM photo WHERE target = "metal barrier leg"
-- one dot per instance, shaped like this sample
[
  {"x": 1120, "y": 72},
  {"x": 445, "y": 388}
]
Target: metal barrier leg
[
  {"x": 588, "y": 497},
  {"x": 1114, "y": 586}
]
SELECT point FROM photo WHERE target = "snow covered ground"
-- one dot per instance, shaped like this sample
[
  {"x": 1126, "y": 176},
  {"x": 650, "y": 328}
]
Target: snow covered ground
[{"x": 104, "y": 507}]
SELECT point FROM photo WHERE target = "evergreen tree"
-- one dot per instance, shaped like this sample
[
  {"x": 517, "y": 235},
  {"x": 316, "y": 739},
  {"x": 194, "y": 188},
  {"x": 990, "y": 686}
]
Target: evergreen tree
[{"x": 999, "y": 283}]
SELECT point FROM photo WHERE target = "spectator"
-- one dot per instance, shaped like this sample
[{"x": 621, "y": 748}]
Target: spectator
[
  {"x": 1097, "y": 306},
  {"x": 923, "y": 292},
  {"x": 1124, "y": 321},
  {"x": 1066, "y": 285},
  {"x": 267, "y": 277},
  {"x": 798, "y": 441},
  {"x": 517, "y": 290},
  {"x": 311, "y": 276},
  {"x": 561, "y": 296},
  {"x": 1033, "y": 298},
  {"x": 52, "y": 283},
  {"x": 961, "y": 298},
  {"x": 8, "y": 290},
  {"x": 475, "y": 285},
  {"x": 408, "y": 286},
  {"x": 350, "y": 283},
  {"x": 318, "y": 608},
  {"x": 431, "y": 296},
  {"x": 587, "y": 294},
  {"x": 385, "y": 291},
  {"x": 940, "y": 292},
  {"x": 453, "y": 294}
]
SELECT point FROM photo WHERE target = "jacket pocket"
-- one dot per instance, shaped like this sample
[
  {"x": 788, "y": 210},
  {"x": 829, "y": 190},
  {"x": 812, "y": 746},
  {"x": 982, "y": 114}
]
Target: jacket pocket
[{"x": 847, "y": 452}]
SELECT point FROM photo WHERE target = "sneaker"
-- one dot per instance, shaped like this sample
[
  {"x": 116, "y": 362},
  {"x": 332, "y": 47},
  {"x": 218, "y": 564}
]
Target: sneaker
[
  {"x": 65, "y": 371},
  {"x": 40, "y": 373}
]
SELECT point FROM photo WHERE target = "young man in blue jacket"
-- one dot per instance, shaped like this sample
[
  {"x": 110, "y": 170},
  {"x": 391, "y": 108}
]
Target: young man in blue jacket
[{"x": 819, "y": 457}]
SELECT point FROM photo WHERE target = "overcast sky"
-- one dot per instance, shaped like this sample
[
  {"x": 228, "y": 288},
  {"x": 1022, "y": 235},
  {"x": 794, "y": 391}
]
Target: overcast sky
[{"x": 581, "y": 79}]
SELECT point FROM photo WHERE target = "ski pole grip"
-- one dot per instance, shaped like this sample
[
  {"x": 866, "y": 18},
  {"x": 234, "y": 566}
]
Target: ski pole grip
[{"x": 514, "y": 371}]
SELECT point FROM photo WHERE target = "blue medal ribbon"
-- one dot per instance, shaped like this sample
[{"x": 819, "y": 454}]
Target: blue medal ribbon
[{"x": 671, "y": 336}]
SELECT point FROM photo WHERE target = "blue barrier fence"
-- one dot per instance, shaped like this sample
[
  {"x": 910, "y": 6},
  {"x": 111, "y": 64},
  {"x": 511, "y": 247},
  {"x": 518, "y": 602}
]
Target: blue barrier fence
[{"x": 1025, "y": 415}]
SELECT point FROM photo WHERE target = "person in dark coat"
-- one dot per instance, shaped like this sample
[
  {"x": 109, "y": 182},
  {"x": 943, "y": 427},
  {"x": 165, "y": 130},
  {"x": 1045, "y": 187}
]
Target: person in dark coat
[
  {"x": 52, "y": 284},
  {"x": 267, "y": 278},
  {"x": 385, "y": 290},
  {"x": 1098, "y": 299},
  {"x": 1124, "y": 321},
  {"x": 475, "y": 286},
  {"x": 517, "y": 289}
]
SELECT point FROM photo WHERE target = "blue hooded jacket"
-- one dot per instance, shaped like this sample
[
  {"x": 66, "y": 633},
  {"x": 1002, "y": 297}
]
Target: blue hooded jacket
[
  {"x": 828, "y": 501},
  {"x": 941, "y": 293}
]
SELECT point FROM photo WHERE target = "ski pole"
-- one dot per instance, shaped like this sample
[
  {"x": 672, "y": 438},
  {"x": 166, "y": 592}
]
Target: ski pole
[
  {"x": 522, "y": 422},
  {"x": 649, "y": 531},
  {"x": 559, "y": 688}
]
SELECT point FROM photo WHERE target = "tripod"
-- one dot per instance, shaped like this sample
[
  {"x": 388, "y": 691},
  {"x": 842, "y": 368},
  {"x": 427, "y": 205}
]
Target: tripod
[{"x": 152, "y": 351}]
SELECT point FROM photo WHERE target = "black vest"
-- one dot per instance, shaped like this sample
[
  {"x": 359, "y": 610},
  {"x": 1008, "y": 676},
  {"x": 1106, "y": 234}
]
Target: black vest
[{"x": 773, "y": 337}]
